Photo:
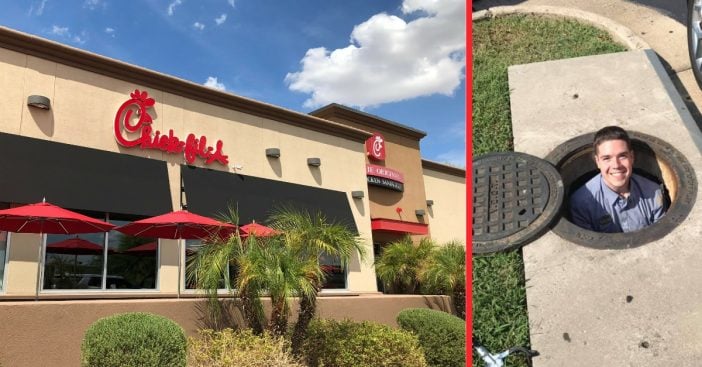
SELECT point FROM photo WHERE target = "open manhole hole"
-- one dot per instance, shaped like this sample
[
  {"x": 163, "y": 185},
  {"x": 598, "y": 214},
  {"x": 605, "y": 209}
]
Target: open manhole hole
[
  {"x": 655, "y": 160},
  {"x": 509, "y": 212}
]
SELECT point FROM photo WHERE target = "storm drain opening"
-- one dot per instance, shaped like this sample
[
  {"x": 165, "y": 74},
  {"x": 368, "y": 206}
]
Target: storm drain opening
[{"x": 654, "y": 159}]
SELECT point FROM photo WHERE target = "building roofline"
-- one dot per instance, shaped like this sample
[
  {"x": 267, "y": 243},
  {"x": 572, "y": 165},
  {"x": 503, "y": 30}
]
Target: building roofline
[
  {"x": 368, "y": 120},
  {"x": 444, "y": 168},
  {"x": 71, "y": 56}
]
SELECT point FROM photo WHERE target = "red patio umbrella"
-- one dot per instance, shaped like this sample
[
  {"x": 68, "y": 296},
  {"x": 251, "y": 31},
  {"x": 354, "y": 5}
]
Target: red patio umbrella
[
  {"x": 143, "y": 249},
  {"x": 45, "y": 218},
  {"x": 74, "y": 246},
  {"x": 257, "y": 230},
  {"x": 48, "y": 218},
  {"x": 178, "y": 225}
]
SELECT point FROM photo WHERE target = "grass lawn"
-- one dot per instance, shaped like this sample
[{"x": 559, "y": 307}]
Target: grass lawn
[{"x": 500, "y": 319}]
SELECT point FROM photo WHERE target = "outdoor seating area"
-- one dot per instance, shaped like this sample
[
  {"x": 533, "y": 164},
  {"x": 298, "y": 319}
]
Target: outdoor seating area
[{"x": 279, "y": 263}]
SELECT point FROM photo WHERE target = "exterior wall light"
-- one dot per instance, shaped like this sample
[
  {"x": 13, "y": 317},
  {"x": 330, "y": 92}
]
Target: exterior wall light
[
  {"x": 39, "y": 102},
  {"x": 357, "y": 194},
  {"x": 430, "y": 202},
  {"x": 314, "y": 162},
  {"x": 419, "y": 212},
  {"x": 273, "y": 152}
]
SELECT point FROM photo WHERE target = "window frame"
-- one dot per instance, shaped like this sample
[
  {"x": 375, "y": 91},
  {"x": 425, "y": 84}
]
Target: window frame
[
  {"x": 8, "y": 242},
  {"x": 103, "y": 286}
]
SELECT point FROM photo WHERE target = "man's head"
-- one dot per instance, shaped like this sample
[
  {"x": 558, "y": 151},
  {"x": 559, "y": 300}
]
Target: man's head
[{"x": 614, "y": 157}]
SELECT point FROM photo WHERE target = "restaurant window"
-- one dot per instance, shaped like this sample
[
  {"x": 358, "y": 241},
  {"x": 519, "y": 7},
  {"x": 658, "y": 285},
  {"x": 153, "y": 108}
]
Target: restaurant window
[
  {"x": 132, "y": 262},
  {"x": 335, "y": 273},
  {"x": 100, "y": 261},
  {"x": 3, "y": 251},
  {"x": 74, "y": 261},
  {"x": 191, "y": 249}
]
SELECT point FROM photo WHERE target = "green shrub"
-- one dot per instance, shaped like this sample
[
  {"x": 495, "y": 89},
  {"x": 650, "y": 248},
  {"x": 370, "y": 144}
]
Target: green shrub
[
  {"x": 134, "y": 339},
  {"x": 346, "y": 343},
  {"x": 238, "y": 348},
  {"x": 441, "y": 335}
]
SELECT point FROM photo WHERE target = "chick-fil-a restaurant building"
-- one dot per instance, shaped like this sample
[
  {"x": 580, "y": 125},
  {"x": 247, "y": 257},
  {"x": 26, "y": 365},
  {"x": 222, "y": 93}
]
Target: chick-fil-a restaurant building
[{"x": 120, "y": 143}]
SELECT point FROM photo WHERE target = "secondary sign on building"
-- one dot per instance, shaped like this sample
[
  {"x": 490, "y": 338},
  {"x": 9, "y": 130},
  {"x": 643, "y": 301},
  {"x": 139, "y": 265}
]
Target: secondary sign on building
[{"x": 385, "y": 177}]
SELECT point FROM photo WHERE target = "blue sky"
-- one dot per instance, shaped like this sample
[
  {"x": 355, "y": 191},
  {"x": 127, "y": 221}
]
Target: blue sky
[{"x": 401, "y": 60}]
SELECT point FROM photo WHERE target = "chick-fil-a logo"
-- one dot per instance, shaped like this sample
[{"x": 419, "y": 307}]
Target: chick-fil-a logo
[
  {"x": 375, "y": 147},
  {"x": 191, "y": 148}
]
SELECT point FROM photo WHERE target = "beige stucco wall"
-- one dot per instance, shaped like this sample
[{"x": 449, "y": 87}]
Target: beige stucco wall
[
  {"x": 447, "y": 216},
  {"x": 83, "y": 108},
  {"x": 402, "y": 155},
  {"x": 21, "y": 269}
]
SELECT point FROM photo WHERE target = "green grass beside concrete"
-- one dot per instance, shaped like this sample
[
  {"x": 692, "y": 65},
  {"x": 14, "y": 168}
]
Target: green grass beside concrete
[{"x": 500, "y": 319}]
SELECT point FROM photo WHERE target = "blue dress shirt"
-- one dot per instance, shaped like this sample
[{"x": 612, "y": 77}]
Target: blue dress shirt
[{"x": 597, "y": 208}]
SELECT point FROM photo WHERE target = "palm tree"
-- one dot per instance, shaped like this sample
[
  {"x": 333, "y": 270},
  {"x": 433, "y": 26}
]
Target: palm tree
[
  {"x": 446, "y": 272},
  {"x": 272, "y": 266},
  {"x": 209, "y": 267},
  {"x": 310, "y": 236},
  {"x": 398, "y": 265}
]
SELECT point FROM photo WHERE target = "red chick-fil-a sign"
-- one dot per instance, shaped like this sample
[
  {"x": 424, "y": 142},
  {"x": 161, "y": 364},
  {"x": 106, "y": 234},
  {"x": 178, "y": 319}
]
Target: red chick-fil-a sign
[
  {"x": 191, "y": 148},
  {"x": 375, "y": 147}
]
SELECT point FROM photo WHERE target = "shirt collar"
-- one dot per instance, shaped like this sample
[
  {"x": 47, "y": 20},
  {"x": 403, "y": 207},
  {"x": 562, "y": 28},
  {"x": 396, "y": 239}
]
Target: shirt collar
[{"x": 612, "y": 196}]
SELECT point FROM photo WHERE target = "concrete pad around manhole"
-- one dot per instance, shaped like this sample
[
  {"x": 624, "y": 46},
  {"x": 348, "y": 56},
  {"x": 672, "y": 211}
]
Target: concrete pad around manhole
[{"x": 589, "y": 307}]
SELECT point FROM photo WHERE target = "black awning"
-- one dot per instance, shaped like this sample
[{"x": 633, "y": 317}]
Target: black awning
[
  {"x": 81, "y": 178},
  {"x": 210, "y": 192}
]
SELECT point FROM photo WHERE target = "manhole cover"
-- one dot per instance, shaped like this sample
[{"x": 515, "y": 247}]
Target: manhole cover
[{"x": 515, "y": 197}]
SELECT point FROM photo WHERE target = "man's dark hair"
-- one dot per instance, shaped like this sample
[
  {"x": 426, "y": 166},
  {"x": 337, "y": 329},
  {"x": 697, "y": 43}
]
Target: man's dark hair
[{"x": 610, "y": 133}]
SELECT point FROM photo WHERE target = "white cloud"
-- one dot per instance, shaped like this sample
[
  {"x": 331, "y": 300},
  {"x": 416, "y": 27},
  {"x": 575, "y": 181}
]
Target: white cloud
[
  {"x": 92, "y": 4},
  {"x": 198, "y": 26},
  {"x": 109, "y": 30},
  {"x": 389, "y": 60},
  {"x": 456, "y": 158},
  {"x": 221, "y": 19},
  {"x": 79, "y": 38},
  {"x": 61, "y": 31},
  {"x": 171, "y": 6},
  {"x": 66, "y": 33},
  {"x": 213, "y": 83},
  {"x": 231, "y": 2},
  {"x": 39, "y": 10}
]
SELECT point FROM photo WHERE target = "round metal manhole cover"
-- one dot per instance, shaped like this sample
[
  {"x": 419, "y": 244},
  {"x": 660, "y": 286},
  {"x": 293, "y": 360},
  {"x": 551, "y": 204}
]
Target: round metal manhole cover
[{"x": 515, "y": 197}]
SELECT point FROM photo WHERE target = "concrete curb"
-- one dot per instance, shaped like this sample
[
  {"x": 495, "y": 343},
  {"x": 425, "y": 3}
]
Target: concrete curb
[{"x": 619, "y": 32}]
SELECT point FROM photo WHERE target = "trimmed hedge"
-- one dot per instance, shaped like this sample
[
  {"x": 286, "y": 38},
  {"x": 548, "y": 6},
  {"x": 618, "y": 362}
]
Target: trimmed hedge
[
  {"x": 441, "y": 335},
  {"x": 134, "y": 339},
  {"x": 331, "y": 343},
  {"x": 239, "y": 348}
]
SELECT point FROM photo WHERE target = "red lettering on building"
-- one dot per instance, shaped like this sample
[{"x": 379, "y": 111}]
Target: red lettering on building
[
  {"x": 191, "y": 148},
  {"x": 380, "y": 171}
]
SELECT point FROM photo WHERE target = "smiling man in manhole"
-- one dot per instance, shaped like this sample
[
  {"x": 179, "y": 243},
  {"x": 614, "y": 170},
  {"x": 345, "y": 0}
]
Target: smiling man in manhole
[{"x": 616, "y": 200}]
